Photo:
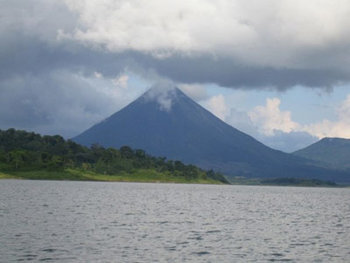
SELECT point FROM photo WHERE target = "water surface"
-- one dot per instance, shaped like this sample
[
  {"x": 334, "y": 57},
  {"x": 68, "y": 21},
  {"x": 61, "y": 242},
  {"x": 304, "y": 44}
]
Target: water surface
[{"x": 59, "y": 221}]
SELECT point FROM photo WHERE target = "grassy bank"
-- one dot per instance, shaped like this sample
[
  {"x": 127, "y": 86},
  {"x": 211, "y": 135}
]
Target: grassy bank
[
  {"x": 141, "y": 175},
  {"x": 8, "y": 176}
]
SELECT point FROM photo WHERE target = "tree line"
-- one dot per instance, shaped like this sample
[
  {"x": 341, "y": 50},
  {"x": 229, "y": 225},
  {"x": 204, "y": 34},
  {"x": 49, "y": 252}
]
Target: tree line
[{"x": 22, "y": 150}]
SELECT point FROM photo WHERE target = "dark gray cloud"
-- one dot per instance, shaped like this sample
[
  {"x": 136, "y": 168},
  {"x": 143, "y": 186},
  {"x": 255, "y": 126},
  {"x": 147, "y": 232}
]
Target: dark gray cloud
[
  {"x": 29, "y": 55},
  {"x": 46, "y": 87},
  {"x": 228, "y": 73},
  {"x": 60, "y": 102}
]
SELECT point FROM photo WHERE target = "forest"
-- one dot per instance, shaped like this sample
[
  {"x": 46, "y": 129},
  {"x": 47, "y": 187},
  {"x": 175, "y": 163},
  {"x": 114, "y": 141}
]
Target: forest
[{"x": 22, "y": 151}]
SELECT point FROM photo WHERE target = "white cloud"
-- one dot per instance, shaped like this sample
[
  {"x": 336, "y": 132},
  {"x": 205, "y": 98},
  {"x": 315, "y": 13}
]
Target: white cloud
[
  {"x": 270, "y": 118},
  {"x": 338, "y": 128},
  {"x": 268, "y": 33},
  {"x": 276, "y": 128},
  {"x": 163, "y": 93},
  {"x": 218, "y": 106},
  {"x": 267, "y": 123}
]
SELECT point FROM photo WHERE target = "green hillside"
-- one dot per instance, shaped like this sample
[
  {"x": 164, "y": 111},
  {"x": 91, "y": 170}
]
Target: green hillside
[{"x": 29, "y": 155}]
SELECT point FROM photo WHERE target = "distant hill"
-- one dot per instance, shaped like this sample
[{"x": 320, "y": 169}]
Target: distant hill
[
  {"x": 330, "y": 152},
  {"x": 169, "y": 123}
]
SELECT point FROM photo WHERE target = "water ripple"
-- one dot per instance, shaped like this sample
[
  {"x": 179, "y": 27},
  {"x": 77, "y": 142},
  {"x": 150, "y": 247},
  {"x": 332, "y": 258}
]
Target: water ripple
[{"x": 131, "y": 222}]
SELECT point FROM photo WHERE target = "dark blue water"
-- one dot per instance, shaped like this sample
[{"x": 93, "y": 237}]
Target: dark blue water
[{"x": 131, "y": 222}]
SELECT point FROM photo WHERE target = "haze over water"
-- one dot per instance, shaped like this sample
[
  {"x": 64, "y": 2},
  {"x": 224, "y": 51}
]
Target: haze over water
[{"x": 133, "y": 222}]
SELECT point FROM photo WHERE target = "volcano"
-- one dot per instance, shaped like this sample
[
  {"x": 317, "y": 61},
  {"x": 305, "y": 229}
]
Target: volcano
[{"x": 168, "y": 123}]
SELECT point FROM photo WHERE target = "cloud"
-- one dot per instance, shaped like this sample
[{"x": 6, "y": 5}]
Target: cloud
[
  {"x": 243, "y": 45},
  {"x": 281, "y": 29},
  {"x": 218, "y": 106},
  {"x": 268, "y": 124},
  {"x": 228, "y": 72},
  {"x": 195, "y": 91},
  {"x": 276, "y": 128},
  {"x": 61, "y": 102},
  {"x": 121, "y": 81},
  {"x": 279, "y": 44},
  {"x": 338, "y": 128},
  {"x": 163, "y": 93},
  {"x": 242, "y": 121},
  {"x": 270, "y": 118},
  {"x": 239, "y": 119}
]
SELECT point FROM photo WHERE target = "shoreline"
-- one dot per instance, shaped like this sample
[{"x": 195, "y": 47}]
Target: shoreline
[
  {"x": 79, "y": 176},
  {"x": 131, "y": 178}
]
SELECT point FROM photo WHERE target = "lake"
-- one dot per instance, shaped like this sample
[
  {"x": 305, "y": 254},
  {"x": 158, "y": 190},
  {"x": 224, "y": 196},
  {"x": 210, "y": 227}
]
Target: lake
[{"x": 62, "y": 221}]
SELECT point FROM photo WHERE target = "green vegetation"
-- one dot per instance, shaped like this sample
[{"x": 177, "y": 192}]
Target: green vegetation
[
  {"x": 282, "y": 182},
  {"x": 29, "y": 155},
  {"x": 7, "y": 176},
  {"x": 142, "y": 175},
  {"x": 297, "y": 182}
]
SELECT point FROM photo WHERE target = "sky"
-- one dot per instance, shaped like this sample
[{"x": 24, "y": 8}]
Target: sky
[{"x": 277, "y": 70}]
